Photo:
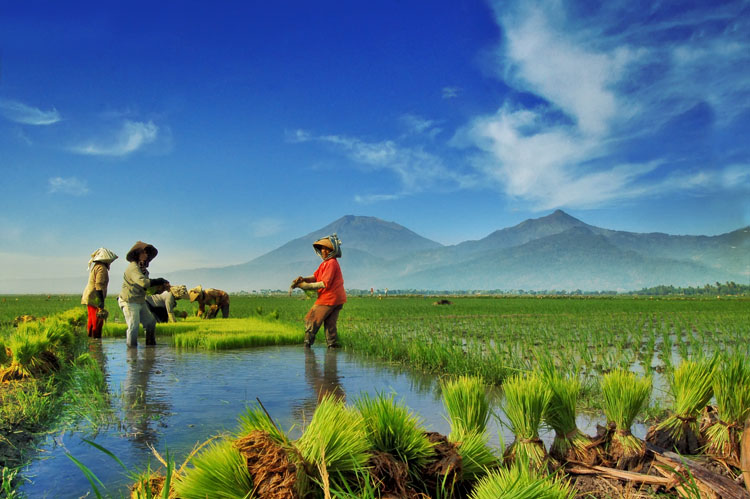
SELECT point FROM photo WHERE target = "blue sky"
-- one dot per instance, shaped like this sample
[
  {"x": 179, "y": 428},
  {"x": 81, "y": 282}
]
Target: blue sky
[{"x": 219, "y": 131}]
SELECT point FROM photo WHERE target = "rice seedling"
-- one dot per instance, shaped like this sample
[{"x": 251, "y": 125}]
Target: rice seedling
[
  {"x": 526, "y": 401},
  {"x": 570, "y": 444},
  {"x": 218, "y": 471},
  {"x": 732, "y": 392},
  {"x": 391, "y": 427},
  {"x": 624, "y": 397},
  {"x": 465, "y": 400},
  {"x": 477, "y": 458},
  {"x": 256, "y": 419},
  {"x": 520, "y": 481},
  {"x": 691, "y": 388},
  {"x": 335, "y": 442}
]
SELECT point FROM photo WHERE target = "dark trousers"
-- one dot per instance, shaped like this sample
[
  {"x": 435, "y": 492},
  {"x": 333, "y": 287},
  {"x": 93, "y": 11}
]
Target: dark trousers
[{"x": 325, "y": 315}]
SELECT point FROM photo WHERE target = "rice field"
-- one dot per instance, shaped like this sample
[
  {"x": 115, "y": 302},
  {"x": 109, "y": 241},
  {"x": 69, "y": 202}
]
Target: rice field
[{"x": 675, "y": 364}]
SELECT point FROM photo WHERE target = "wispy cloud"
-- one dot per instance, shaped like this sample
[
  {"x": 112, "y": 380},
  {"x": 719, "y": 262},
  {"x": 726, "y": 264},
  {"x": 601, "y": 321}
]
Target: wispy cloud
[
  {"x": 375, "y": 198},
  {"x": 131, "y": 137},
  {"x": 265, "y": 227},
  {"x": 70, "y": 185},
  {"x": 450, "y": 92},
  {"x": 417, "y": 125},
  {"x": 27, "y": 115},
  {"x": 415, "y": 167},
  {"x": 601, "y": 88}
]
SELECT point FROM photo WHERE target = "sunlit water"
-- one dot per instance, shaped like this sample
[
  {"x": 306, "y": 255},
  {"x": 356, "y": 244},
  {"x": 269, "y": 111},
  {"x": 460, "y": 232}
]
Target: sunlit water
[{"x": 170, "y": 399}]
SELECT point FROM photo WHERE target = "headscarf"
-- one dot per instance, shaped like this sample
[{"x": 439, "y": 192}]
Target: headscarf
[
  {"x": 331, "y": 242},
  {"x": 102, "y": 255}
]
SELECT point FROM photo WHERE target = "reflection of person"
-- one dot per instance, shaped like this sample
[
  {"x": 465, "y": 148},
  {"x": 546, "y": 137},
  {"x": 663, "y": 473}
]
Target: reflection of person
[
  {"x": 162, "y": 306},
  {"x": 142, "y": 405},
  {"x": 132, "y": 299},
  {"x": 329, "y": 284},
  {"x": 96, "y": 290},
  {"x": 326, "y": 382},
  {"x": 216, "y": 300}
]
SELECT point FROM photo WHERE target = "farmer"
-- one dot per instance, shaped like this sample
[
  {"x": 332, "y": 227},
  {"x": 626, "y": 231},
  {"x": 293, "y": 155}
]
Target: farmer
[
  {"x": 132, "y": 299},
  {"x": 96, "y": 290},
  {"x": 162, "y": 306},
  {"x": 329, "y": 284},
  {"x": 216, "y": 300}
]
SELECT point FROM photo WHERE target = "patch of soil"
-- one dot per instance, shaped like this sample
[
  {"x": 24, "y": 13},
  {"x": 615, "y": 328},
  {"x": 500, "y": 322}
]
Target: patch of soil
[
  {"x": 445, "y": 467},
  {"x": 391, "y": 475},
  {"x": 687, "y": 443}
]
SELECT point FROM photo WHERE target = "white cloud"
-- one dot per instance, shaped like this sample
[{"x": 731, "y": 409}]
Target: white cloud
[
  {"x": 131, "y": 137},
  {"x": 27, "y": 115},
  {"x": 70, "y": 185}
]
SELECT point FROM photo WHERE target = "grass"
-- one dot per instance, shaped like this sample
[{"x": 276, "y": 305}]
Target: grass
[{"x": 221, "y": 334}]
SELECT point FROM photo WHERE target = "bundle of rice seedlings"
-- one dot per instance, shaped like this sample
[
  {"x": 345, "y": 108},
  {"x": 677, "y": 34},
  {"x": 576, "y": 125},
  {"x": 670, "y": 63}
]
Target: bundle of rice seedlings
[
  {"x": 732, "y": 392},
  {"x": 273, "y": 462},
  {"x": 521, "y": 482},
  {"x": 5, "y": 354},
  {"x": 335, "y": 442},
  {"x": 477, "y": 458},
  {"x": 218, "y": 471},
  {"x": 570, "y": 444},
  {"x": 526, "y": 400},
  {"x": 393, "y": 428},
  {"x": 691, "y": 386},
  {"x": 31, "y": 357},
  {"x": 465, "y": 400},
  {"x": 624, "y": 396}
]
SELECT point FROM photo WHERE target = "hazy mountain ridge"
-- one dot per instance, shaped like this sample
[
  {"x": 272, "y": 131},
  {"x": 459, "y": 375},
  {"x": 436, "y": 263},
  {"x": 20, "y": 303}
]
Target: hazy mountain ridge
[{"x": 556, "y": 251}]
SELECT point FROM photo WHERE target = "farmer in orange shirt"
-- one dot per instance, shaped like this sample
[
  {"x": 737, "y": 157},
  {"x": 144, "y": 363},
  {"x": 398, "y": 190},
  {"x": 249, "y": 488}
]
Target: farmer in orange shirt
[{"x": 329, "y": 283}]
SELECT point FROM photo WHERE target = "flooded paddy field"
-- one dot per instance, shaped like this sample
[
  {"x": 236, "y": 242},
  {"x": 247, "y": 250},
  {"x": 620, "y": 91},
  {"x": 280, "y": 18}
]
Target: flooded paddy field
[{"x": 172, "y": 399}]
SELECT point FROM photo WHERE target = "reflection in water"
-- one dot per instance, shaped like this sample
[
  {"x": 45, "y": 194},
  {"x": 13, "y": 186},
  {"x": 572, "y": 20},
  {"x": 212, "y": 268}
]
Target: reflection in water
[
  {"x": 143, "y": 408},
  {"x": 321, "y": 381}
]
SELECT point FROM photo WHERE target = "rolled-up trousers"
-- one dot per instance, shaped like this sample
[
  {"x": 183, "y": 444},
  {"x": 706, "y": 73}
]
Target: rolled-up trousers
[
  {"x": 135, "y": 314},
  {"x": 325, "y": 315}
]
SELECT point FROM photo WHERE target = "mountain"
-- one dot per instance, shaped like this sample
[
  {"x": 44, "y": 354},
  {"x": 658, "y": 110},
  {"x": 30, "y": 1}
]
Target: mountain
[{"x": 556, "y": 251}]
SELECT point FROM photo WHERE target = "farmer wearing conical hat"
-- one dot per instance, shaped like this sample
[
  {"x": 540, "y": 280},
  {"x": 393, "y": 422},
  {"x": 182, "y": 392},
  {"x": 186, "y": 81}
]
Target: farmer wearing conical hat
[
  {"x": 328, "y": 282},
  {"x": 132, "y": 299},
  {"x": 216, "y": 300},
  {"x": 96, "y": 290},
  {"x": 162, "y": 305}
]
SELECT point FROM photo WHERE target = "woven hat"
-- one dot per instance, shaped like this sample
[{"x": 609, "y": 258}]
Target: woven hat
[
  {"x": 195, "y": 292},
  {"x": 332, "y": 242},
  {"x": 179, "y": 292},
  {"x": 137, "y": 247},
  {"x": 102, "y": 255}
]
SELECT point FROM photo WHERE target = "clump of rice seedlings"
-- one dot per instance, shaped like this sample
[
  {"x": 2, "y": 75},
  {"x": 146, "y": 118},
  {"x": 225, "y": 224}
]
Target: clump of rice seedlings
[
  {"x": 218, "y": 471},
  {"x": 521, "y": 482},
  {"x": 624, "y": 397},
  {"x": 691, "y": 386},
  {"x": 526, "y": 400},
  {"x": 31, "y": 357},
  {"x": 335, "y": 442},
  {"x": 393, "y": 428},
  {"x": 271, "y": 459},
  {"x": 465, "y": 400},
  {"x": 570, "y": 444},
  {"x": 732, "y": 392},
  {"x": 477, "y": 457},
  {"x": 5, "y": 354}
]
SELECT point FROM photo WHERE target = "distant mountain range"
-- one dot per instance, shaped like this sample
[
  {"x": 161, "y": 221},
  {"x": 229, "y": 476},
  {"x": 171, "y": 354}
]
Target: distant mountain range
[{"x": 556, "y": 252}]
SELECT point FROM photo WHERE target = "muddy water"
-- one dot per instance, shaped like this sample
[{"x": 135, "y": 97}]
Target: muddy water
[{"x": 172, "y": 399}]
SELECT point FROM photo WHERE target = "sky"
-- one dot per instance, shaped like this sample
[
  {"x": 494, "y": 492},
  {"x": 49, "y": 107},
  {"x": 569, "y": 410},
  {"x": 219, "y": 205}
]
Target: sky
[{"x": 218, "y": 131}]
